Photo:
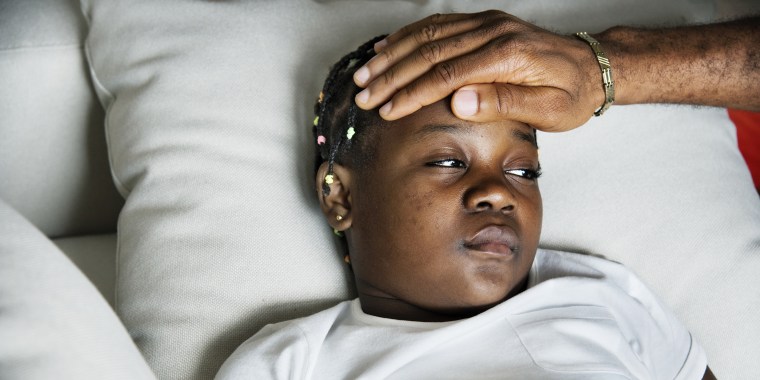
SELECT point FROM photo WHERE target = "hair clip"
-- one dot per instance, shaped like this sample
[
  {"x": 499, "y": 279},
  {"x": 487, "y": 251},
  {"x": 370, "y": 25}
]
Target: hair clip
[
  {"x": 329, "y": 179},
  {"x": 337, "y": 233},
  {"x": 316, "y": 120},
  {"x": 321, "y": 140},
  {"x": 321, "y": 97},
  {"x": 350, "y": 133}
]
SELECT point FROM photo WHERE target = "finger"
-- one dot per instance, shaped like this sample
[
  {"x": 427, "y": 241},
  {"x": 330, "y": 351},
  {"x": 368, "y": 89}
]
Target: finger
[
  {"x": 439, "y": 82},
  {"x": 432, "y": 19},
  {"x": 418, "y": 64},
  {"x": 548, "y": 109},
  {"x": 401, "y": 49}
]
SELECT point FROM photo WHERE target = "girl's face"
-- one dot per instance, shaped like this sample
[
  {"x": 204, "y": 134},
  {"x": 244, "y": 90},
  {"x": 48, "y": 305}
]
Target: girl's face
[{"x": 445, "y": 222}]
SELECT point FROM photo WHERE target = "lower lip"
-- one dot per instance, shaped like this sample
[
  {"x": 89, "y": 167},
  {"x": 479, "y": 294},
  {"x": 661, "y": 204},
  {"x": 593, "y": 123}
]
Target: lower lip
[{"x": 492, "y": 248}]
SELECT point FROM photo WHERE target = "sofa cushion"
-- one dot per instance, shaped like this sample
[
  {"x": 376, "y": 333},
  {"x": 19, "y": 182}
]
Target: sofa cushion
[
  {"x": 95, "y": 256},
  {"x": 209, "y": 132},
  {"x": 53, "y": 160},
  {"x": 53, "y": 322}
]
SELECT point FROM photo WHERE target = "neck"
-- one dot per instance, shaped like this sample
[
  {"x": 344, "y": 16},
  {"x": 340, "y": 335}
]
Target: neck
[
  {"x": 393, "y": 308},
  {"x": 386, "y": 306}
]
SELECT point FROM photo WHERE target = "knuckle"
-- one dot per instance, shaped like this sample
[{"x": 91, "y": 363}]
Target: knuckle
[
  {"x": 436, "y": 18},
  {"x": 492, "y": 13},
  {"x": 388, "y": 79},
  {"x": 385, "y": 56},
  {"x": 411, "y": 95},
  {"x": 511, "y": 53},
  {"x": 428, "y": 33},
  {"x": 508, "y": 45},
  {"x": 445, "y": 72},
  {"x": 504, "y": 99},
  {"x": 430, "y": 52},
  {"x": 501, "y": 24}
]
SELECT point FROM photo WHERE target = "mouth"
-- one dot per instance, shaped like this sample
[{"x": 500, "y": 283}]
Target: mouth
[{"x": 495, "y": 240}]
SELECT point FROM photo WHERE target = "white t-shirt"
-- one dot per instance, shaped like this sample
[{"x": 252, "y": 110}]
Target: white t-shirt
[{"x": 581, "y": 318}]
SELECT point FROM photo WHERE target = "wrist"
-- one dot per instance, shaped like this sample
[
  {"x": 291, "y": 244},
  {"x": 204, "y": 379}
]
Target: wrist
[
  {"x": 614, "y": 42},
  {"x": 608, "y": 84},
  {"x": 592, "y": 94}
]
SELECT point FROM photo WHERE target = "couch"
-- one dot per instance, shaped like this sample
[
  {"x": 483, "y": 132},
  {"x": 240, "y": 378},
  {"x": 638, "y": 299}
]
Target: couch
[{"x": 156, "y": 204}]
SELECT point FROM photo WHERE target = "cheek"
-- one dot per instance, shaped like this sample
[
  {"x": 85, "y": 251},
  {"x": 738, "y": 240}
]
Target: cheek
[
  {"x": 416, "y": 206},
  {"x": 400, "y": 219},
  {"x": 533, "y": 216}
]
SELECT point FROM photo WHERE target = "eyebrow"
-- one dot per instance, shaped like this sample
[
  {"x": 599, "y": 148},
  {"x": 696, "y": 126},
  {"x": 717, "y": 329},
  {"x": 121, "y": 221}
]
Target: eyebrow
[
  {"x": 462, "y": 129},
  {"x": 525, "y": 136}
]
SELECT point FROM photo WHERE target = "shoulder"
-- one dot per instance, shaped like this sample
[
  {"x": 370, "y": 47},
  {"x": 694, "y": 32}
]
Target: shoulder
[
  {"x": 282, "y": 350},
  {"x": 655, "y": 336}
]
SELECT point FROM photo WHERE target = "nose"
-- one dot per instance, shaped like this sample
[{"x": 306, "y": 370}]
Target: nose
[{"x": 490, "y": 193}]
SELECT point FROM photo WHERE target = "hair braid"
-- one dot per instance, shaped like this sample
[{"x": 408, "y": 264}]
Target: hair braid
[{"x": 329, "y": 136}]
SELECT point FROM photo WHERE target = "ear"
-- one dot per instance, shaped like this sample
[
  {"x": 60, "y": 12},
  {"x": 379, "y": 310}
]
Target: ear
[{"x": 336, "y": 206}]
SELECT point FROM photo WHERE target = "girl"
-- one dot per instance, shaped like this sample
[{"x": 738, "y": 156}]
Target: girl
[{"x": 441, "y": 220}]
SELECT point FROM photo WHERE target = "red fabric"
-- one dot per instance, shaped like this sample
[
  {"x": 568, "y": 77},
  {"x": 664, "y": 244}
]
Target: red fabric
[{"x": 748, "y": 133}]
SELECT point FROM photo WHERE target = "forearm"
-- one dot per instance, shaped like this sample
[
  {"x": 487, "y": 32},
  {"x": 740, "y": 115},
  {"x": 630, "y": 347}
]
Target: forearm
[{"x": 716, "y": 64}]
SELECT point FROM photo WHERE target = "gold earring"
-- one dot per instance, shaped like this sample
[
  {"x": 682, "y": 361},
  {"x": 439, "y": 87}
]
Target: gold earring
[{"x": 339, "y": 217}]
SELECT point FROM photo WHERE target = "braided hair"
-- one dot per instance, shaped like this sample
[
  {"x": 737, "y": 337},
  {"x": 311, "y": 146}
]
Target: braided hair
[{"x": 337, "y": 118}]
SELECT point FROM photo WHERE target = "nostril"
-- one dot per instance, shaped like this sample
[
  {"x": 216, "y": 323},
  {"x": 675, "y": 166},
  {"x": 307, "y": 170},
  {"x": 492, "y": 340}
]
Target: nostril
[
  {"x": 509, "y": 208},
  {"x": 483, "y": 206}
]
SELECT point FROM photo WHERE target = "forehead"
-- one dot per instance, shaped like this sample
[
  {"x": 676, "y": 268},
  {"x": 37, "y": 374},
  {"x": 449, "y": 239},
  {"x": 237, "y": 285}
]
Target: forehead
[{"x": 437, "y": 119}]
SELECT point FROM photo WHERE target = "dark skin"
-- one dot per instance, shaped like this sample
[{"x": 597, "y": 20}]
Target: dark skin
[
  {"x": 500, "y": 67},
  {"x": 445, "y": 223},
  {"x": 411, "y": 219}
]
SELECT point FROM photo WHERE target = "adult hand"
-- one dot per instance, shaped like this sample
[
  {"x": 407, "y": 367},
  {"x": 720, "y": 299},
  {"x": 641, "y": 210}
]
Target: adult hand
[{"x": 498, "y": 66}]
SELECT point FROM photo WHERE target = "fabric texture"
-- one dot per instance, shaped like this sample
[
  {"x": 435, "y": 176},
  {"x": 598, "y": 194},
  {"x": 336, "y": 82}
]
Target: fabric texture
[
  {"x": 53, "y": 160},
  {"x": 53, "y": 323},
  {"x": 95, "y": 256},
  {"x": 208, "y": 126},
  {"x": 580, "y": 318}
]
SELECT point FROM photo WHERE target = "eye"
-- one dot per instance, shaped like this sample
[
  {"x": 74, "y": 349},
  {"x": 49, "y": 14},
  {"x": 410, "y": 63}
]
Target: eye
[
  {"x": 525, "y": 173},
  {"x": 448, "y": 163}
]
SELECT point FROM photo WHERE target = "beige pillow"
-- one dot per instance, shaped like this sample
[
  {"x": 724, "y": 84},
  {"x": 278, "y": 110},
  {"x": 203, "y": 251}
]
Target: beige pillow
[
  {"x": 53, "y": 322},
  {"x": 208, "y": 124},
  {"x": 53, "y": 160}
]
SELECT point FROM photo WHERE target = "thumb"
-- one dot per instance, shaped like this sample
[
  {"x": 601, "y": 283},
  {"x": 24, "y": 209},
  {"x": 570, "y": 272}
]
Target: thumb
[{"x": 548, "y": 109}]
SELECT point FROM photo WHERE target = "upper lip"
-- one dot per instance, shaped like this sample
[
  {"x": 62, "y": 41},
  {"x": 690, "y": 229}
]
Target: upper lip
[{"x": 493, "y": 238}]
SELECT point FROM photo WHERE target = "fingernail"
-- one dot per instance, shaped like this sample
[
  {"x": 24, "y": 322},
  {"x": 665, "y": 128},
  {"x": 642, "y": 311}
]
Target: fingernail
[
  {"x": 379, "y": 45},
  {"x": 362, "y": 75},
  {"x": 465, "y": 102},
  {"x": 386, "y": 109},
  {"x": 363, "y": 96}
]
